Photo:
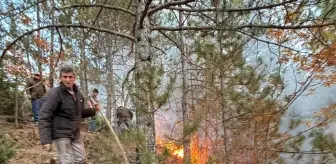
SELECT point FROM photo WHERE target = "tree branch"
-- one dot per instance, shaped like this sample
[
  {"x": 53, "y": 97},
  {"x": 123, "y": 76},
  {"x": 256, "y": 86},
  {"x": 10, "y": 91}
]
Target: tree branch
[
  {"x": 212, "y": 28},
  {"x": 268, "y": 42},
  {"x": 61, "y": 48},
  {"x": 64, "y": 26},
  {"x": 167, "y": 5},
  {"x": 213, "y": 9},
  {"x": 97, "y": 5},
  {"x": 20, "y": 10},
  {"x": 144, "y": 13}
]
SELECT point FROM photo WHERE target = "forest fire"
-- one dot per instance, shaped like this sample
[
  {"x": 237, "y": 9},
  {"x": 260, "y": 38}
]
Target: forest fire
[
  {"x": 173, "y": 148},
  {"x": 178, "y": 153},
  {"x": 177, "y": 150}
]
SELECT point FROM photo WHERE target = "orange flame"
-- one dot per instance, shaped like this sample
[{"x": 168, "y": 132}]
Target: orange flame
[
  {"x": 199, "y": 155},
  {"x": 178, "y": 153},
  {"x": 172, "y": 147}
]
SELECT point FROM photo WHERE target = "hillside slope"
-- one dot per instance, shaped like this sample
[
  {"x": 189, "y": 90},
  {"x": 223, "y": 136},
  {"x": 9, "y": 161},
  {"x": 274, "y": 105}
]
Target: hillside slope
[{"x": 101, "y": 148}]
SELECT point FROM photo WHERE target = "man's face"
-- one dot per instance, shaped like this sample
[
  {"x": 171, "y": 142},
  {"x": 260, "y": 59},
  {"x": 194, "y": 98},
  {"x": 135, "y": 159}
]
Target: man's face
[
  {"x": 38, "y": 77},
  {"x": 95, "y": 94},
  {"x": 68, "y": 79}
]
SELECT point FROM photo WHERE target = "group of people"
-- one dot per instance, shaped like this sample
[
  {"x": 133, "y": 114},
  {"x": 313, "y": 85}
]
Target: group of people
[{"x": 59, "y": 112}]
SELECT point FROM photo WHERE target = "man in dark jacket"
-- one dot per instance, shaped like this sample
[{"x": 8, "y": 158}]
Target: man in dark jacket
[
  {"x": 35, "y": 91},
  {"x": 124, "y": 115},
  {"x": 60, "y": 119}
]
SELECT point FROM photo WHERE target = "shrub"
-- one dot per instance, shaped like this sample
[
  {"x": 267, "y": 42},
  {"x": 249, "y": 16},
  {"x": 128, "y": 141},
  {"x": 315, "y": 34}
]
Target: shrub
[{"x": 6, "y": 148}]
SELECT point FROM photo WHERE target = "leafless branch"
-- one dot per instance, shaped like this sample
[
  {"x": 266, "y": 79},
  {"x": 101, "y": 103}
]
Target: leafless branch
[
  {"x": 127, "y": 76},
  {"x": 268, "y": 42},
  {"x": 64, "y": 26},
  {"x": 167, "y": 5},
  {"x": 213, "y": 9},
  {"x": 212, "y": 28},
  {"x": 21, "y": 11},
  {"x": 144, "y": 13},
  {"x": 97, "y": 5}
]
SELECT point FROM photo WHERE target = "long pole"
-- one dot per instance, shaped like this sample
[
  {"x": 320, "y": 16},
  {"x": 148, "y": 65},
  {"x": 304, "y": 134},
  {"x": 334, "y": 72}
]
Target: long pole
[{"x": 115, "y": 137}]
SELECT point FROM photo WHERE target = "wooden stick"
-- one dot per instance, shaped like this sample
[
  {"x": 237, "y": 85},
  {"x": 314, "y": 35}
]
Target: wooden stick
[{"x": 115, "y": 137}]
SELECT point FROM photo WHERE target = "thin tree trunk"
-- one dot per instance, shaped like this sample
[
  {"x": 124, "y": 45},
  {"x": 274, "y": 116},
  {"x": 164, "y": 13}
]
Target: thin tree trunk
[
  {"x": 39, "y": 55},
  {"x": 225, "y": 135},
  {"x": 83, "y": 65},
  {"x": 266, "y": 143},
  {"x": 52, "y": 62},
  {"x": 185, "y": 115},
  {"x": 255, "y": 150},
  {"x": 110, "y": 83},
  {"x": 16, "y": 104}
]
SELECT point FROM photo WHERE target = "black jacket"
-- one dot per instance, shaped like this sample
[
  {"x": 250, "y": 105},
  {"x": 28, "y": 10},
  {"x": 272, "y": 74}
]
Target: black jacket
[
  {"x": 60, "y": 115},
  {"x": 123, "y": 112}
]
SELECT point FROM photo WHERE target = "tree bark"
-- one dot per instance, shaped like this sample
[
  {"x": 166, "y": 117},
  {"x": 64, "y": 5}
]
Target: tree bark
[
  {"x": 16, "y": 104},
  {"x": 224, "y": 117},
  {"x": 185, "y": 112},
  {"x": 52, "y": 58},
  {"x": 83, "y": 65},
  {"x": 110, "y": 83},
  {"x": 39, "y": 55},
  {"x": 144, "y": 114}
]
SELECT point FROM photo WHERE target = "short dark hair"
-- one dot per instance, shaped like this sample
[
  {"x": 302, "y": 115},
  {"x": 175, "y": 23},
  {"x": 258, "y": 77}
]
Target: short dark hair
[
  {"x": 95, "y": 90},
  {"x": 66, "y": 69}
]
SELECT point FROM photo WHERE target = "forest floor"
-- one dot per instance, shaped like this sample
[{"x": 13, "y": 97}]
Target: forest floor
[{"x": 101, "y": 148}]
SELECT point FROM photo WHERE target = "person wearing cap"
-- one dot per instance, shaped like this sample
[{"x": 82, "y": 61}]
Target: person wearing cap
[
  {"x": 124, "y": 116},
  {"x": 35, "y": 91}
]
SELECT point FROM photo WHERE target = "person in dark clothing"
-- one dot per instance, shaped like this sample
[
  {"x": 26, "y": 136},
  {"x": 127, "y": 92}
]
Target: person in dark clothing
[
  {"x": 60, "y": 119},
  {"x": 92, "y": 103},
  {"x": 35, "y": 91},
  {"x": 124, "y": 115}
]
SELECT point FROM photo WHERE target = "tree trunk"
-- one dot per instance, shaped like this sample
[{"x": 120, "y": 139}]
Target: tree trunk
[
  {"x": 16, "y": 104},
  {"x": 39, "y": 51},
  {"x": 185, "y": 115},
  {"x": 224, "y": 117},
  {"x": 144, "y": 113},
  {"x": 52, "y": 59},
  {"x": 110, "y": 84},
  {"x": 83, "y": 65}
]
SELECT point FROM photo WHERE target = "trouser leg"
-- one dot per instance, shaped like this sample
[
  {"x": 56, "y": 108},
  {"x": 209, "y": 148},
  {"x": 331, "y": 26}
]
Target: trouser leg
[
  {"x": 79, "y": 151},
  {"x": 93, "y": 125},
  {"x": 64, "y": 150},
  {"x": 70, "y": 151},
  {"x": 36, "y": 105},
  {"x": 35, "y": 110}
]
